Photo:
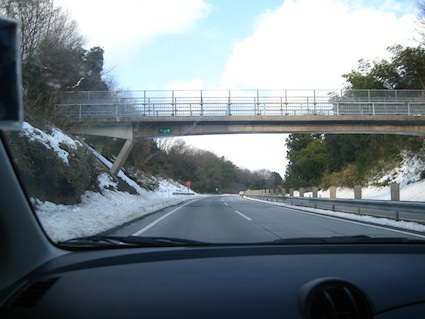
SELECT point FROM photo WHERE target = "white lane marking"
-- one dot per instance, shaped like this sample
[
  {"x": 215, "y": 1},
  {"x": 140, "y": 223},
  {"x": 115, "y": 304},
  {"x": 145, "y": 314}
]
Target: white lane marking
[
  {"x": 244, "y": 216},
  {"x": 366, "y": 224},
  {"x": 147, "y": 227},
  {"x": 226, "y": 204},
  {"x": 341, "y": 219}
]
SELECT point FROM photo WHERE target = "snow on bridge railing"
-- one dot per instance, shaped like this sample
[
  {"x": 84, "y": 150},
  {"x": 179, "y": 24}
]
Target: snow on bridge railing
[{"x": 89, "y": 104}]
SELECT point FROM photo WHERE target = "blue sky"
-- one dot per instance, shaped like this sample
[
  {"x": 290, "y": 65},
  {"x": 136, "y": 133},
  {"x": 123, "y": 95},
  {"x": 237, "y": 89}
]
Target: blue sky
[
  {"x": 235, "y": 44},
  {"x": 197, "y": 53}
]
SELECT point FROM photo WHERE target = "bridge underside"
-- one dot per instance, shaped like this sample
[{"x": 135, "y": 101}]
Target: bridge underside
[
  {"x": 132, "y": 130},
  {"x": 182, "y": 126}
]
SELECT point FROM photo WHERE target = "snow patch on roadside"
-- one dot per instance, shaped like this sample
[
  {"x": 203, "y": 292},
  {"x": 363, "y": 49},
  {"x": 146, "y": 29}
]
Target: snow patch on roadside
[{"x": 99, "y": 212}]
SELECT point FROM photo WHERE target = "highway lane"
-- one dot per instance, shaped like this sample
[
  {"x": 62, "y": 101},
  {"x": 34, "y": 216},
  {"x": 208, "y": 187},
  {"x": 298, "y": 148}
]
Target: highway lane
[{"x": 234, "y": 219}]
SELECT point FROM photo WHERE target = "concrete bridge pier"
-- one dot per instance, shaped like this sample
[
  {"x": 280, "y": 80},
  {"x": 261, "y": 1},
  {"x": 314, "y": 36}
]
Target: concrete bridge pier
[
  {"x": 123, "y": 131},
  {"x": 122, "y": 157}
]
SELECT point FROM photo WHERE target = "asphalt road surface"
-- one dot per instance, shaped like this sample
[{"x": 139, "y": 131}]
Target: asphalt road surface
[{"x": 235, "y": 219}]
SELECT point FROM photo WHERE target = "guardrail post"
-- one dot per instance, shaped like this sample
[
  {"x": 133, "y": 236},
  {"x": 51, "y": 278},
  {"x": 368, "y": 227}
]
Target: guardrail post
[
  {"x": 79, "y": 113},
  {"x": 301, "y": 190},
  {"x": 315, "y": 191},
  {"x": 395, "y": 191},
  {"x": 357, "y": 192},
  {"x": 408, "y": 108},
  {"x": 332, "y": 192}
]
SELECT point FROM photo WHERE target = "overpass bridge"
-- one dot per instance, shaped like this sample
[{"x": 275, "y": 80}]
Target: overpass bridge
[{"x": 131, "y": 115}]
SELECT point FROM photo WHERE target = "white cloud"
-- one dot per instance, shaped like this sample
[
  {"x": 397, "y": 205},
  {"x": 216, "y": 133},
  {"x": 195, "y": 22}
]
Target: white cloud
[
  {"x": 123, "y": 27},
  {"x": 310, "y": 44}
]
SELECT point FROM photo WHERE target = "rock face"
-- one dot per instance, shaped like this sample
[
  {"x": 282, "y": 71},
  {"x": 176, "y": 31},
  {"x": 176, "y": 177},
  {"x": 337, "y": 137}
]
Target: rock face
[{"x": 52, "y": 166}]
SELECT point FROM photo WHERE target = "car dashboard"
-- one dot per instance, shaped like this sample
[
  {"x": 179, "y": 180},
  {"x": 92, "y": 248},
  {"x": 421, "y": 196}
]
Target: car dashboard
[
  {"x": 281, "y": 281},
  {"x": 40, "y": 279}
]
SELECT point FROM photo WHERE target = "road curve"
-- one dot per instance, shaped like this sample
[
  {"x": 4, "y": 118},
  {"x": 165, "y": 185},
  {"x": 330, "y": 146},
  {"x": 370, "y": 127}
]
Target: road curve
[{"x": 234, "y": 219}]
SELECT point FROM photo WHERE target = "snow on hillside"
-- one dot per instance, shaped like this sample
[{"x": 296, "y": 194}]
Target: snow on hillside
[
  {"x": 51, "y": 141},
  {"x": 408, "y": 175},
  {"x": 97, "y": 212}
]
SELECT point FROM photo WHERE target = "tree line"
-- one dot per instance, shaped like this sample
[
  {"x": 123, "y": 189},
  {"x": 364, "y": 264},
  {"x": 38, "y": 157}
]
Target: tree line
[
  {"x": 175, "y": 159},
  {"x": 349, "y": 159}
]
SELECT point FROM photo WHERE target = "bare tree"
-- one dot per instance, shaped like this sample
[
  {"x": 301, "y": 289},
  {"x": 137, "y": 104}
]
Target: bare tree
[
  {"x": 421, "y": 20},
  {"x": 41, "y": 20}
]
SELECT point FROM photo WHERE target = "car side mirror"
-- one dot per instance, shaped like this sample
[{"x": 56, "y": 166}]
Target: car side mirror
[{"x": 11, "y": 106}]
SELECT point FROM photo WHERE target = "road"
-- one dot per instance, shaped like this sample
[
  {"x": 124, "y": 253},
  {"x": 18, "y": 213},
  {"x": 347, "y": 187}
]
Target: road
[{"x": 234, "y": 219}]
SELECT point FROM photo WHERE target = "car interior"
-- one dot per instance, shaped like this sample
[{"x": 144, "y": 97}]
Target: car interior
[{"x": 43, "y": 279}]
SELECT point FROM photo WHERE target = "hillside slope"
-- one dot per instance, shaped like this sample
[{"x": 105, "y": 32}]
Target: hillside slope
[{"x": 72, "y": 192}]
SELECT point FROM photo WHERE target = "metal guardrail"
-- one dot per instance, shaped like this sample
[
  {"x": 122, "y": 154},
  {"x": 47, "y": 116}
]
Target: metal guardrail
[
  {"x": 183, "y": 193},
  {"x": 398, "y": 210},
  {"x": 89, "y": 104}
]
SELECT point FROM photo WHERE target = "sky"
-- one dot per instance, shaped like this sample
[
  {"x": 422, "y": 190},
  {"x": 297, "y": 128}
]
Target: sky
[{"x": 241, "y": 44}]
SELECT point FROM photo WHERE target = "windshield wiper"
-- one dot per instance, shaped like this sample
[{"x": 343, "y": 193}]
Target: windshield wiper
[
  {"x": 152, "y": 241},
  {"x": 130, "y": 241},
  {"x": 360, "y": 239}
]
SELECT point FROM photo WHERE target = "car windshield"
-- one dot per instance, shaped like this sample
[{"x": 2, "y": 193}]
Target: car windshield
[{"x": 164, "y": 123}]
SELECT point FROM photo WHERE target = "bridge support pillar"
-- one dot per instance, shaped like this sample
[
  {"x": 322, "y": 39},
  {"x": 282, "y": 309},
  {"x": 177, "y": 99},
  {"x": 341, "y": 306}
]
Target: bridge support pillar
[{"x": 122, "y": 156}]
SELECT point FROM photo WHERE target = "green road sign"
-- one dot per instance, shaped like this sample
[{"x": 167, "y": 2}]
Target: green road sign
[{"x": 165, "y": 130}]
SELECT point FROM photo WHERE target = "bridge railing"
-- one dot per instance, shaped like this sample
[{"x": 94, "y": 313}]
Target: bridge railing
[{"x": 81, "y": 105}]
